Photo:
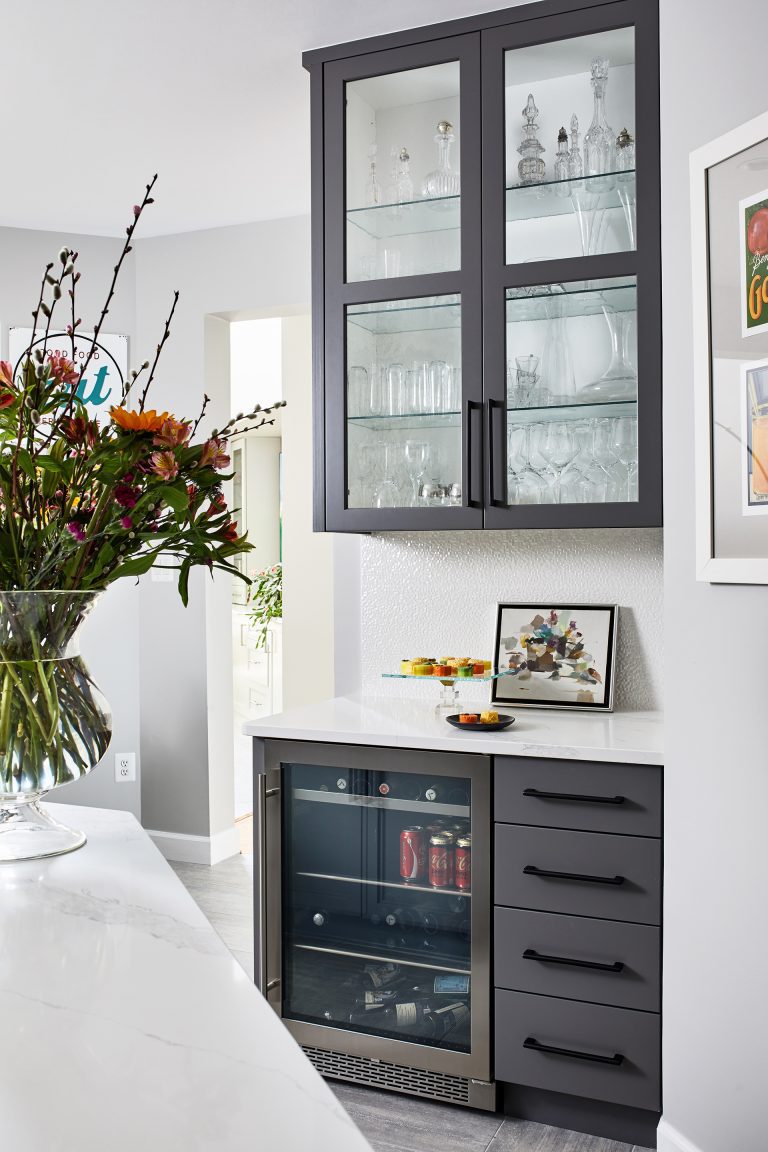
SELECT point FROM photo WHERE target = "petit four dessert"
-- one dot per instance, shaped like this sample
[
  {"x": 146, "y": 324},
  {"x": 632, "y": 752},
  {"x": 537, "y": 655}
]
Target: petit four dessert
[
  {"x": 489, "y": 717},
  {"x": 468, "y": 718},
  {"x": 464, "y": 670}
]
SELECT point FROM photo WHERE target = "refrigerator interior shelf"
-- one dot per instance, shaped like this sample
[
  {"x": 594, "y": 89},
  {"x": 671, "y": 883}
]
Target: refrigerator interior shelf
[
  {"x": 388, "y": 884},
  {"x": 383, "y": 959},
  {"x": 427, "y": 808}
]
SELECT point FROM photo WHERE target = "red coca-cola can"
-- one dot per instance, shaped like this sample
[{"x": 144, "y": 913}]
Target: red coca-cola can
[
  {"x": 464, "y": 863},
  {"x": 413, "y": 854},
  {"x": 441, "y": 860}
]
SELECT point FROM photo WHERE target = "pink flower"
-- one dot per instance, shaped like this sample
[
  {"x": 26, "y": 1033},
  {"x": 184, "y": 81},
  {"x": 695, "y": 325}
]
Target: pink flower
[
  {"x": 213, "y": 454},
  {"x": 126, "y": 522},
  {"x": 63, "y": 370},
  {"x": 164, "y": 465},
  {"x": 76, "y": 530},
  {"x": 173, "y": 433},
  {"x": 125, "y": 495}
]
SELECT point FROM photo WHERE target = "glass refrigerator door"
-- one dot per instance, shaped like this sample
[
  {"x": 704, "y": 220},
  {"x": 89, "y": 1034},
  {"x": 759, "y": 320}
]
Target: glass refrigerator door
[{"x": 377, "y": 895}]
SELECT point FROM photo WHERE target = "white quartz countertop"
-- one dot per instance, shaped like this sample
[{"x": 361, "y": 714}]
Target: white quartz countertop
[
  {"x": 623, "y": 737},
  {"x": 125, "y": 1023}
]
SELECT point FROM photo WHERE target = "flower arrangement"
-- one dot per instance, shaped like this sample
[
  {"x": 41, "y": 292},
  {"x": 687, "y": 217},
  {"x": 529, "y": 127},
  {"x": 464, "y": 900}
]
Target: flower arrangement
[
  {"x": 553, "y": 647},
  {"x": 83, "y": 504},
  {"x": 266, "y": 601}
]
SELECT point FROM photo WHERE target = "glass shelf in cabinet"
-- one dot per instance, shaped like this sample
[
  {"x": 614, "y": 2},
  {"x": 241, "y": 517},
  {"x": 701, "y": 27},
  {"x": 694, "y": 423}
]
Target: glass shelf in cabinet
[
  {"x": 424, "y": 314},
  {"x": 406, "y": 959},
  {"x": 412, "y": 217},
  {"x": 464, "y": 892},
  {"x": 393, "y": 803},
  {"x": 559, "y": 413},
  {"x": 407, "y": 421},
  {"x": 564, "y": 197},
  {"x": 573, "y": 299}
]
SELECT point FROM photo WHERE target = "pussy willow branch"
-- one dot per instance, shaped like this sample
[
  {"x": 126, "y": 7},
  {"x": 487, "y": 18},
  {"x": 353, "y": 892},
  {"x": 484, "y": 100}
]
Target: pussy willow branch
[
  {"x": 116, "y": 271},
  {"x": 158, "y": 350}
]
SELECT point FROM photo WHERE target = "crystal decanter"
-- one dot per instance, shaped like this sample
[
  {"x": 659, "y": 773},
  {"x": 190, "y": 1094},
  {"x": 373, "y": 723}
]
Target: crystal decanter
[
  {"x": 599, "y": 147},
  {"x": 562, "y": 156},
  {"x": 372, "y": 185},
  {"x": 575, "y": 164},
  {"x": 443, "y": 181},
  {"x": 531, "y": 167}
]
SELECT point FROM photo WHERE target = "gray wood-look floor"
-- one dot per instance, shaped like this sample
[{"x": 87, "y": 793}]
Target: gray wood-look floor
[{"x": 390, "y": 1122}]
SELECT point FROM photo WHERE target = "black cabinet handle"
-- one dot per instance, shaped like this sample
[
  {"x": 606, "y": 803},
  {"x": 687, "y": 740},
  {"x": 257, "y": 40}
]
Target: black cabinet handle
[
  {"x": 532, "y": 870},
  {"x": 574, "y": 1053},
  {"x": 544, "y": 958},
  {"x": 472, "y": 406},
  {"x": 496, "y": 501},
  {"x": 573, "y": 796}
]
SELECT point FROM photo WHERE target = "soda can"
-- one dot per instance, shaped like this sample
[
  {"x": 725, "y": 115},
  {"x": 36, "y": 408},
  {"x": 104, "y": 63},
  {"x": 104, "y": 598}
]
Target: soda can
[
  {"x": 413, "y": 854},
  {"x": 441, "y": 860},
  {"x": 464, "y": 863}
]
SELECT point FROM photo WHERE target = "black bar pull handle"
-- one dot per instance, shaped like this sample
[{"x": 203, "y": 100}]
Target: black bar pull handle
[
  {"x": 616, "y": 1060},
  {"x": 544, "y": 958},
  {"x": 472, "y": 406},
  {"x": 494, "y": 406},
  {"x": 532, "y": 870},
  {"x": 573, "y": 796}
]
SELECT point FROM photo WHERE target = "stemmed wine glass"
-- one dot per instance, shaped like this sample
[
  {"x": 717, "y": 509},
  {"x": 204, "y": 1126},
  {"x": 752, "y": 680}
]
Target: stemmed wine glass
[
  {"x": 417, "y": 453},
  {"x": 559, "y": 447},
  {"x": 625, "y": 447},
  {"x": 525, "y": 485}
]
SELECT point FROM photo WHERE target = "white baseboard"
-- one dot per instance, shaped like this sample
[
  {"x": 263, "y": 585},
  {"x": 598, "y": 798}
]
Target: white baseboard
[
  {"x": 670, "y": 1140},
  {"x": 187, "y": 849}
]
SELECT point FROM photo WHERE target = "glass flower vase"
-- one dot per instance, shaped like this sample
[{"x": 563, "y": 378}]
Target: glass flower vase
[{"x": 55, "y": 725}]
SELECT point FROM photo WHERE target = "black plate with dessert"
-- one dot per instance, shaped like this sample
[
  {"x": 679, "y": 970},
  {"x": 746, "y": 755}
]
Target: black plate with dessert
[{"x": 488, "y": 721}]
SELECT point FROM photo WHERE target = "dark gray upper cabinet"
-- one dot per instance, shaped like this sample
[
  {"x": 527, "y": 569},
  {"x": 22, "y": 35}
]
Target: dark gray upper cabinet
[{"x": 486, "y": 314}]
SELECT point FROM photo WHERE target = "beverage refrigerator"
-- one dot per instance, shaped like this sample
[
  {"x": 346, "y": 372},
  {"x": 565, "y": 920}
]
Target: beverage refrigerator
[{"x": 372, "y": 912}]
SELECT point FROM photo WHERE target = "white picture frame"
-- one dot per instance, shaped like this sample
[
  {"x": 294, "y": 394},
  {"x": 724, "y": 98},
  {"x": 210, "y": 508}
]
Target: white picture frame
[{"x": 715, "y": 565}]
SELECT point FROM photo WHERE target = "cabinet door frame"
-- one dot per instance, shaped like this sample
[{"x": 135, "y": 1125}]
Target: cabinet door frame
[
  {"x": 644, "y": 263},
  {"x": 338, "y": 294}
]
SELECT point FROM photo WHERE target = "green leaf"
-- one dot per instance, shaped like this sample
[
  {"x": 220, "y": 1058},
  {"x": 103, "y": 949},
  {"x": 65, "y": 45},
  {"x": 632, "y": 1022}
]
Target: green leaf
[
  {"x": 177, "y": 499},
  {"x": 137, "y": 565},
  {"x": 26, "y": 463}
]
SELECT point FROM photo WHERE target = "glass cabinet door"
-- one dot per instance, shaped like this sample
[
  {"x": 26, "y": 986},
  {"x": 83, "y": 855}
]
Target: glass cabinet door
[
  {"x": 402, "y": 317},
  {"x": 377, "y": 903},
  {"x": 572, "y": 339}
]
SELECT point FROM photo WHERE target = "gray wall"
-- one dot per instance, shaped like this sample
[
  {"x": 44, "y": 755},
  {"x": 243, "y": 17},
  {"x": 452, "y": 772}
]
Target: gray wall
[
  {"x": 716, "y": 860},
  {"x": 110, "y": 637},
  {"x": 250, "y": 267}
]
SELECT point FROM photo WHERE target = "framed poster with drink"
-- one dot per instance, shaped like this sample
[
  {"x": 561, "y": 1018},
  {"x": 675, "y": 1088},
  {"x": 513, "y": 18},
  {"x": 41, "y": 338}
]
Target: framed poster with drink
[{"x": 729, "y": 219}]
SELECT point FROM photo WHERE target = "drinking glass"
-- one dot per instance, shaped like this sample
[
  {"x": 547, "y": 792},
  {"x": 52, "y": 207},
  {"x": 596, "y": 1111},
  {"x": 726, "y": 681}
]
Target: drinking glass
[
  {"x": 604, "y": 453},
  {"x": 394, "y": 390},
  {"x": 525, "y": 485},
  {"x": 559, "y": 447},
  {"x": 387, "y": 493},
  {"x": 358, "y": 392},
  {"x": 625, "y": 447},
  {"x": 376, "y": 382},
  {"x": 417, "y": 456},
  {"x": 557, "y": 363},
  {"x": 540, "y": 464},
  {"x": 438, "y": 385}
]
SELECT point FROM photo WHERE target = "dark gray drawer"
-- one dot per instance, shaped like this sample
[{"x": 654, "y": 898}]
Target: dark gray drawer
[
  {"x": 574, "y": 956},
  {"x": 626, "y": 1043},
  {"x": 624, "y": 798},
  {"x": 612, "y": 877}
]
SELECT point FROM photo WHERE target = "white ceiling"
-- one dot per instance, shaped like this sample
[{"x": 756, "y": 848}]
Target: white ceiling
[{"x": 209, "y": 93}]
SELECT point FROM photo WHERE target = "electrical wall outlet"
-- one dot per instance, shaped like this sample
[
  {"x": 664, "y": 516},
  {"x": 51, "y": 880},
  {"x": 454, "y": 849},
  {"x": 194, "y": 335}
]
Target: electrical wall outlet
[{"x": 125, "y": 767}]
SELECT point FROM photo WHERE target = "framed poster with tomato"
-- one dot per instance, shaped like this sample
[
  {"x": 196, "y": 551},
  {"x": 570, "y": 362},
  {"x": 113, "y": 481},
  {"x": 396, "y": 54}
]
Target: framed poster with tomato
[{"x": 729, "y": 220}]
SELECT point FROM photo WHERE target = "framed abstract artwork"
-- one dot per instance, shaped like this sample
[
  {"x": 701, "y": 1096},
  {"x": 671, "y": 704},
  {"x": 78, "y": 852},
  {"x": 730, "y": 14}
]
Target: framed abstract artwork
[
  {"x": 729, "y": 219},
  {"x": 558, "y": 656}
]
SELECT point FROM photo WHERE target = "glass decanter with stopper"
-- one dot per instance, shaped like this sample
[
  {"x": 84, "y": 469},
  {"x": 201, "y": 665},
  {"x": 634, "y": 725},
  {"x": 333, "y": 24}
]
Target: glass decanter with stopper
[
  {"x": 372, "y": 185},
  {"x": 562, "y": 157},
  {"x": 531, "y": 168},
  {"x": 599, "y": 139},
  {"x": 575, "y": 164},
  {"x": 442, "y": 181}
]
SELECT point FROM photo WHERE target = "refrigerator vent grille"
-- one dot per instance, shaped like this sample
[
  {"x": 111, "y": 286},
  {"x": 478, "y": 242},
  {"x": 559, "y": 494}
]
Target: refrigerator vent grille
[{"x": 382, "y": 1074}]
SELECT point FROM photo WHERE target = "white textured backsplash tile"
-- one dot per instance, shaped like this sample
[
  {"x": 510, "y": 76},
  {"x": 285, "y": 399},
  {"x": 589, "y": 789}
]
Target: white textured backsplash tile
[{"x": 435, "y": 594}]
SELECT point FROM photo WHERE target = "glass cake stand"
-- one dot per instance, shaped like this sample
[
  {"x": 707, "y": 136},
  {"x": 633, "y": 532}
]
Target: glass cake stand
[{"x": 449, "y": 695}]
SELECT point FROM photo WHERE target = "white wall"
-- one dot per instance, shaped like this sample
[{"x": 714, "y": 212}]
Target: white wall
[
  {"x": 110, "y": 637},
  {"x": 261, "y": 268},
  {"x": 716, "y": 794}
]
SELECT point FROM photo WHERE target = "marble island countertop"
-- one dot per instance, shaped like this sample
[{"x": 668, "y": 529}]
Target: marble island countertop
[
  {"x": 126, "y": 1023},
  {"x": 623, "y": 737}
]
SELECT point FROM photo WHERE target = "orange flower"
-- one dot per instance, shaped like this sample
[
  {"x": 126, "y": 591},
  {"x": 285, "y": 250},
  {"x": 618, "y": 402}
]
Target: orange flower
[
  {"x": 173, "y": 433},
  {"x": 138, "y": 421}
]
